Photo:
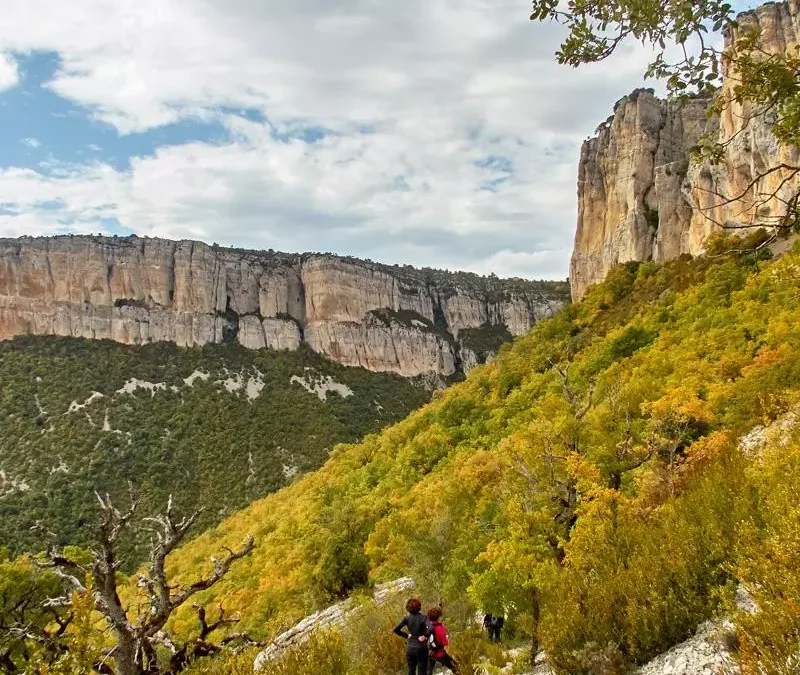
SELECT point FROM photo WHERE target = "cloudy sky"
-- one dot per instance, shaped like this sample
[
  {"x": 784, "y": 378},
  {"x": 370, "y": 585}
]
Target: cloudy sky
[{"x": 431, "y": 132}]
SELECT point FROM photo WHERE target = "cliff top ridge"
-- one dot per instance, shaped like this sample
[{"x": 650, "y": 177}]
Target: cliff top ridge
[{"x": 425, "y": 275}]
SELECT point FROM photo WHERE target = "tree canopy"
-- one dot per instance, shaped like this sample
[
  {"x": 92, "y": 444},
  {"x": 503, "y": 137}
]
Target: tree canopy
[
  {"x": 85, "y": 415},
  {"x": 598, "y": 27}
]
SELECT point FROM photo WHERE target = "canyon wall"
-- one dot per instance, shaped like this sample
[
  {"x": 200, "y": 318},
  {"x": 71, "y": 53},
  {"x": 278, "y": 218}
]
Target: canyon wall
[
  {"x": 137, "y": 290},
  {"x": 642, "y": 197}
]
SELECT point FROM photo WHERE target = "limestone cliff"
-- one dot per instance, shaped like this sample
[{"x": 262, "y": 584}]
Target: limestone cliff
[
  {"x": 630, "y": 177},
  {"x": 138, "y": 290},
  {"x": 641, "y": 197}
]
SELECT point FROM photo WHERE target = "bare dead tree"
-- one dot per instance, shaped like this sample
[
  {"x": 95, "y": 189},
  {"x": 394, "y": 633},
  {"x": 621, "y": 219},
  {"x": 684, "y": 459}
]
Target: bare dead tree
[
  {"x": 579, "y": 407},
  {"x": 180, "y": 656},
  {"x": 629, "y": 457},
  {"x": 27, "y": 618},
  {"x": 137, "y": 637}
]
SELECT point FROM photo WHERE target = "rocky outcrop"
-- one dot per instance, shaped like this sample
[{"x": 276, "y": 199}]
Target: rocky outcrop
[
  {"x": 641, "y": 197},
  {"x": 378, "y": 341},
  {"x": 333, "y": 617},
  {"x": 708, "y": 652},
  {"x": 138, "y": 290},
  {"x": 629, "y": 182}
]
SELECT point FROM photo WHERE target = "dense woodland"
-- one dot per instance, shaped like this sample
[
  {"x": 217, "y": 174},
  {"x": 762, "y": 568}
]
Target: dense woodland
[
  {"x": 69, "y": 428},
  {"x": 590, "y": 483}
]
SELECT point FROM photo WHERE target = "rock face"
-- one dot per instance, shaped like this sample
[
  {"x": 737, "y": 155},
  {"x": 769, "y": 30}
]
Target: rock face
[
  {"x": 629, "y": 184},
  {"x": 640, "y": 195},
  {"x": 137, "y": 290}
]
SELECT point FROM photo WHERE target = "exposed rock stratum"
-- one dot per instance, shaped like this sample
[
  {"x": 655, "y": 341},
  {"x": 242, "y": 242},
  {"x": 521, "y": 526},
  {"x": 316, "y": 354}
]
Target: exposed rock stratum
[{"x": 383, "y": 318}]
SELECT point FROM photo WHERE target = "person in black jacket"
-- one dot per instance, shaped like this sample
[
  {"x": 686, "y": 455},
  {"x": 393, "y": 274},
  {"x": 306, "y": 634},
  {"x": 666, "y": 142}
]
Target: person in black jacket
[
  {"x": 496, "y": 628},
  {"x": 416, "y": 633}
]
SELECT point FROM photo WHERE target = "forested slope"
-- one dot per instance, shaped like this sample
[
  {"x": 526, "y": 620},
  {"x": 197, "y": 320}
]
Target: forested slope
[
  {"x": 216, "y": 427},
  {"x": 589, "y": 482}
]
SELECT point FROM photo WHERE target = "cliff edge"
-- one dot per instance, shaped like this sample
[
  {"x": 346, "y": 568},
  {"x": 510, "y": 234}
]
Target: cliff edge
[{"x": 139, "y": 290}]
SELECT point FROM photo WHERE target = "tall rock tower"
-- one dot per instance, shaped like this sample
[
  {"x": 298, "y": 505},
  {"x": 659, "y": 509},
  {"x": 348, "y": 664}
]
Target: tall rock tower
[{"x": 640, "y": 195}]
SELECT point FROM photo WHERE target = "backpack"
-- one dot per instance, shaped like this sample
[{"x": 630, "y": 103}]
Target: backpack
[
  {"x": 433, "y": 645},
  {"x": 431, "y": 635}
]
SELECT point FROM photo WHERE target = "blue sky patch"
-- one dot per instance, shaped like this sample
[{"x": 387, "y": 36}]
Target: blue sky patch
[
  {"x": 37, "y": 125},
  {"x": 297, "y": 131},
  {"x": 501, "y": 167}
]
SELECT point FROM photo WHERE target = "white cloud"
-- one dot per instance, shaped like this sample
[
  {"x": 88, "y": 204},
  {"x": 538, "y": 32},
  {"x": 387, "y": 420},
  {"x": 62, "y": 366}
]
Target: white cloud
[
  {"x": 33, "y": 143},
  {"x": 9, "y": 73},
  {"x": 417, "y": 95},
  {"x": 545, "y": 263}
]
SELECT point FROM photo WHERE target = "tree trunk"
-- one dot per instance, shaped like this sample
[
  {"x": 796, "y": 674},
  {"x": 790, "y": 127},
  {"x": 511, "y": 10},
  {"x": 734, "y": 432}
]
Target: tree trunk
[
  {"x": 535, "y": 612},
  {"x": 125, "y": 655}
]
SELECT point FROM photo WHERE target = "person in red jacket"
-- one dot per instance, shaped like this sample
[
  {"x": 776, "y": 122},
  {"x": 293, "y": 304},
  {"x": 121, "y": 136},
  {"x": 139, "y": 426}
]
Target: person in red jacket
[{"x": 439, "y": 643}]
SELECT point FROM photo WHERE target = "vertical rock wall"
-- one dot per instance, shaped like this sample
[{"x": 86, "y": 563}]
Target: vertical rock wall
[
  {"x": 629, "y": 183},
  {"x": 640, "y": 197},
  {"x": 136, "y": 290}
]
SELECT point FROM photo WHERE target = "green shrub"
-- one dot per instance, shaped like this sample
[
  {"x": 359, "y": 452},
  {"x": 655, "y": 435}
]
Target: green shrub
[
  {"x": 324, "y": 654},
  {"x": 374, "y": 648},
  {"x": 769, "y": 565},
  {"x": 639, "y": 580},
  {"x": 470, "y": 649},
  {"x": 224, "y": 664}
]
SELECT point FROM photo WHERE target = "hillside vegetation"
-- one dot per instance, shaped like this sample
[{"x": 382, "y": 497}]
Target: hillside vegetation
[
  {"x": 216, "y": 427},
  {"x": 588, "y": 482},
  {"x": 591, "y": 483}
]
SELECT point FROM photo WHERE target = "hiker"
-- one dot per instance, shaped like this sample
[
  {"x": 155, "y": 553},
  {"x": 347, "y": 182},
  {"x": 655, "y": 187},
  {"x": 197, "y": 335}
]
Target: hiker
[
  {"x": 417, "y": 637},
  {"x": 496, "y": 627},
  {"x": 438, "y": 643}
]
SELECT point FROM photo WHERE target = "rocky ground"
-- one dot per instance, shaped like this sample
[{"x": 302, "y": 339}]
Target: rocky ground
[{"x": 705, "y": 653}]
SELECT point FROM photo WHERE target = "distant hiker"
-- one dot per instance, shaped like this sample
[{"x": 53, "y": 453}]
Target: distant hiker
[
  {"x": 496, "y": 627},
  {"x": 487, "y": 623},
  {"x": 417, "y": 637},
  {"x": 438, "y": 643}
]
